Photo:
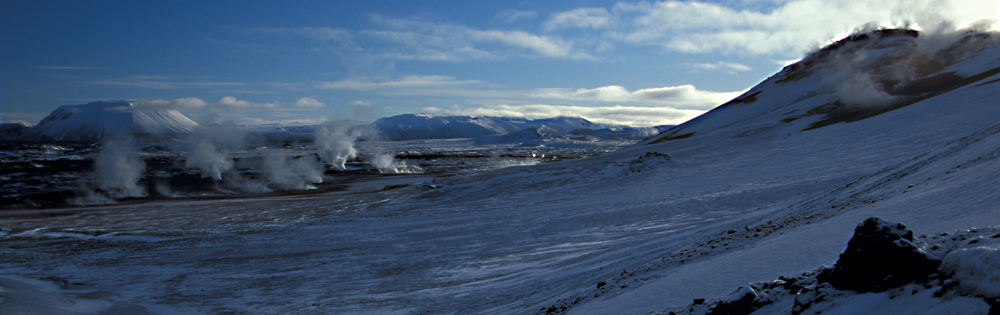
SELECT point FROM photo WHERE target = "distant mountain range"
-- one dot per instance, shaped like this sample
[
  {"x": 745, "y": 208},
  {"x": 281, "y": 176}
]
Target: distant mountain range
[{"x": 413, "y": 127}]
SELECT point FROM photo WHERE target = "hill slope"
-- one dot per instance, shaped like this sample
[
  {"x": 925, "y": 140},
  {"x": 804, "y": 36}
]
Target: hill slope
[{"x": 858, "y": 77}]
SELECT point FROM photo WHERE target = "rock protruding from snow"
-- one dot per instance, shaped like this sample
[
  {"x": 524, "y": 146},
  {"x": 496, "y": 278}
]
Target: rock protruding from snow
[
  {"x": 881, "y": 255},
  {"x": 966, "y": 283},
  {"x": 93, "y": 121},
  {"x": 744, "y": 301}
]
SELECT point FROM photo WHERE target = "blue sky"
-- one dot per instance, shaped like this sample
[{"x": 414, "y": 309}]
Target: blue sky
[{"x": 638, "y": 63}]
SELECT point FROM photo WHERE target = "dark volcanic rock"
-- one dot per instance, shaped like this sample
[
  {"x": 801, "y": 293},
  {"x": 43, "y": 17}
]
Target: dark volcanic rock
[{"x": 880, "y": 255}]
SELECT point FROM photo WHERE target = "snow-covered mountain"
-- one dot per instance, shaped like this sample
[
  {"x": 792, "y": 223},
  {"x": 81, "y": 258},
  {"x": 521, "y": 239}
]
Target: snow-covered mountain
[
  {"x": 92, "y": 121},
  {"x": 763, "y": 190},
  {"x": 414, "y": 126}
]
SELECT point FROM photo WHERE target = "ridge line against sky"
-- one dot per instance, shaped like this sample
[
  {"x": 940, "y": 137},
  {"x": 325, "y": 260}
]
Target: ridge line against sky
[{"x": 636, "y": 63}]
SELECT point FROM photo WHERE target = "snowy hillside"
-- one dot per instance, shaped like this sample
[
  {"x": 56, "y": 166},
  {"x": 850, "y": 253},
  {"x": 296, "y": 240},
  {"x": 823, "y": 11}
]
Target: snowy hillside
[
  {"x": 770, "y": 186},
  {"x": 412, "y": 126},
  {"x": 92, "y": 121},
  {"x": 858, "y": 77}
]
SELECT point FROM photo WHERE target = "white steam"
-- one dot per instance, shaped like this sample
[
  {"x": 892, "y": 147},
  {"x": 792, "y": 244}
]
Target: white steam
[
  {"x": 292, "y": 172},
  {"x": 865, "y": 73},
  {"x": 386, "y": 163},
  {"x": 336, "y": 144},
  {"x": 119, "y": 169},
  {"x": 209, "y": 148}
]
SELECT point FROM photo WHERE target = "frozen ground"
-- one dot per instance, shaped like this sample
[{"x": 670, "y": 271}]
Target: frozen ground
[{"x": 747, "y": 197}]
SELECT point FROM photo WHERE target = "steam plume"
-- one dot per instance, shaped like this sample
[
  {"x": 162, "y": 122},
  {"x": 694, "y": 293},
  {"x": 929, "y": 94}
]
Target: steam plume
[
  {"x": 336, "y": 144},
  {"x": 209, "y": 147},
  {"x": 119, "y": 168},
  {"x": 292, "y": 172}
]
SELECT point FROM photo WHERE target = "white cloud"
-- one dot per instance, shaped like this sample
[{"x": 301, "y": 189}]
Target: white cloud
[
  {"x": 545, "y": 46},
  {"x": 730, "y": 67},
  {"x": 616, "y": 114},
  {"x": 306, "y": 102},
  {"x": 232, "y": 102},
  {"x": 229, "y": 102},
  {"x": 684, "y": 96},
  {"x": 593, "y": 18},
  {"x": 784, "y": 28}
]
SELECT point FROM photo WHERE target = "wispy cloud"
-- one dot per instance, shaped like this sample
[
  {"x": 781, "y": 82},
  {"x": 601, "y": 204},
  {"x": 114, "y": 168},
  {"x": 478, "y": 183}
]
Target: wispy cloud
[
  {"x": 319, "y": 33},
  {"x": 164, "y": 83},
  {"x": 779, "y": 28},
  {"x": 511, "y": 16},
  {"x": 231, "y": 102},
  {"x": 415, "y": 39},
  {"x": 592, "y": 18},
  {"x": 731, "y": 67},
  {"x": 412, "y": 81},
  {"x": 681, "y": 97},
  {"x": 307, "y": 102}
]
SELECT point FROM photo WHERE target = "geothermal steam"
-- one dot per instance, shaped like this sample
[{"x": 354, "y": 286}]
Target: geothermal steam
[
  {"x": 865, "y": 75},
  {"x": 292, "y": 172},
  {"x": 336, "y": 144},
  {"x": 119, "y": 168},
  {"x": 209, "y": 147}
]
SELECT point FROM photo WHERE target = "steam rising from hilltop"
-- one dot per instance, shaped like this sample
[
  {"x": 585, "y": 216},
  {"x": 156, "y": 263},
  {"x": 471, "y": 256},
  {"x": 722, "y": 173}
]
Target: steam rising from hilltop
[{"x": 870, "y": 73}]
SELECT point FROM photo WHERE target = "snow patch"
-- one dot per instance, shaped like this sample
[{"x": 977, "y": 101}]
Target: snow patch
[{"x": 977, "y": 270}]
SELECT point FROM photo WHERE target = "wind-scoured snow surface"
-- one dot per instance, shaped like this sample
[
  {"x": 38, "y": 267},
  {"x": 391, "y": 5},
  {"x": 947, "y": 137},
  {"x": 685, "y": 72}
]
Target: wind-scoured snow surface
[
  {"x": 770, "y": 184},
  {"x": 94, "y": 121}
]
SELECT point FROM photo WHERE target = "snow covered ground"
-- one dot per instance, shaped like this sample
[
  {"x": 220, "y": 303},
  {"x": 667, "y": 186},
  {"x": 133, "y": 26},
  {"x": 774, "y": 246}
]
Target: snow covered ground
[{"x": 742, "y": 195}]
